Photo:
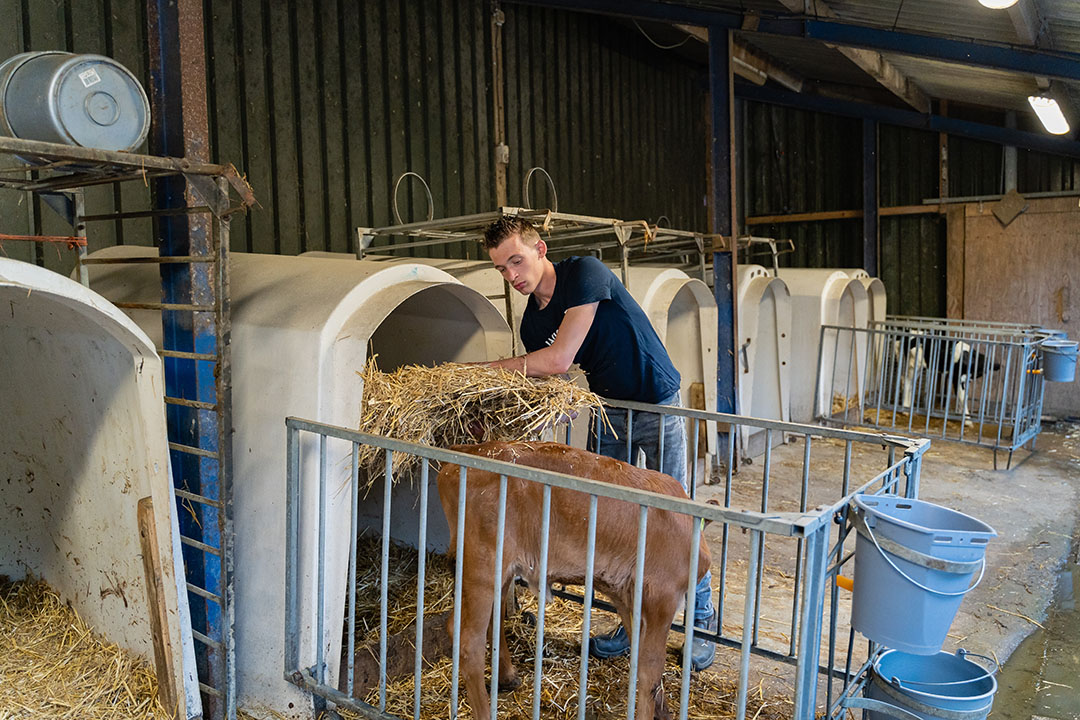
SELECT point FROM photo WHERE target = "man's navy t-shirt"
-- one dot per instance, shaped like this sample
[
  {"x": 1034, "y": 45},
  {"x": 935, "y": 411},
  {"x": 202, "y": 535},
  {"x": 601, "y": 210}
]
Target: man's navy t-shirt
[{"x": 622, "y": 356}]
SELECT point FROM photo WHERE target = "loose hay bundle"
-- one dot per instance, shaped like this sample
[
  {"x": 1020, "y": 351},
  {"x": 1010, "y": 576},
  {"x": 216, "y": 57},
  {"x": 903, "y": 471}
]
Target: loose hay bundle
[
  {"x": 454, "y": 404},
  {"x": 53, "y": 665}
]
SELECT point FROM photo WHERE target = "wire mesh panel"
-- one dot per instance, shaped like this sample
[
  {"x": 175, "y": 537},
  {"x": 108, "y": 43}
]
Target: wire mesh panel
[
  {"x": 774, "y": 568},
  {"x": 955, "y": 380}
]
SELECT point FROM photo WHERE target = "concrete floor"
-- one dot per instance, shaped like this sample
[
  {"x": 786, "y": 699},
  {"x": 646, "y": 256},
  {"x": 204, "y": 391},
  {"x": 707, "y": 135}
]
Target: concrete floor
[{"x": 1033, "y": 506}]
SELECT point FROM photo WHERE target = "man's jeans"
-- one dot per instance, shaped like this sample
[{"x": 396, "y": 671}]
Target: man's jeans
[{"x": 646, "y": 437}]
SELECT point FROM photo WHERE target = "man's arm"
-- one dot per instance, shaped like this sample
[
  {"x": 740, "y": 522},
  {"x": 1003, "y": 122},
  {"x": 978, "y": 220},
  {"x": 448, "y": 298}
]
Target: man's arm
[{"x": 557, "y": 357}]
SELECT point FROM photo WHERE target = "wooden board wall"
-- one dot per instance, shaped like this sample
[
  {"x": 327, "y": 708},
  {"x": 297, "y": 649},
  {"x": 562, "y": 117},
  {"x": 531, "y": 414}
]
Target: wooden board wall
[{"x": 1028, "y": 271}]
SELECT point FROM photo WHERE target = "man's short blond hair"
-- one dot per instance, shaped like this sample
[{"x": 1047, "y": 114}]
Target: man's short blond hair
[{"x": 508, "y": 226}]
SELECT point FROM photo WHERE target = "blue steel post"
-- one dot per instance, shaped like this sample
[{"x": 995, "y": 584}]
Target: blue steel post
[
  {"x": 723, "y": 223},
  {"x": 196, "y": 423},
  {"x": 870, "y": 196}
]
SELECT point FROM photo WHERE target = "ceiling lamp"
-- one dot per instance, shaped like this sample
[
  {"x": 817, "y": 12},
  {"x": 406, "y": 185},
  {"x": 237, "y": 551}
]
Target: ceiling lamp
[
  {"x": 1050, "y": 114},
  {"x": 998, "y": 4}
]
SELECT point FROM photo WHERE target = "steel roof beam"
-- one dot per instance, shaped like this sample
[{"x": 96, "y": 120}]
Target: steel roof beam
[
  {"x": 1029, "y": 61},
  {"x": 964, "y": 52},
  {"x": 760, "y": 62},
  {"x": 873, "y": 64},
  {"x": 907, "y": 118}
]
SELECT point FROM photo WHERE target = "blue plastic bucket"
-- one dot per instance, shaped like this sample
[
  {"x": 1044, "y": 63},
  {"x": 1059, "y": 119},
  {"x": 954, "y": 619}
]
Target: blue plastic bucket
[
  {"x": 941, "y": 686},
  {"x": 914, "y": 562},
  {"x": 1059, "y": 359}
]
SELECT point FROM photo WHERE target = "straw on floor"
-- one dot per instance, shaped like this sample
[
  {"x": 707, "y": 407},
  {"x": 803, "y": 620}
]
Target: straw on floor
[
  {"x": 455, "y": 404},
  {"x": 53, "y": 665},
  {"x": 712, "y": 692}
]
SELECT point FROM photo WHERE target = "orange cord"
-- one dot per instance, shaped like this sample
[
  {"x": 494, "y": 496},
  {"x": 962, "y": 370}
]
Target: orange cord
[{"x": 71, "y": 241}]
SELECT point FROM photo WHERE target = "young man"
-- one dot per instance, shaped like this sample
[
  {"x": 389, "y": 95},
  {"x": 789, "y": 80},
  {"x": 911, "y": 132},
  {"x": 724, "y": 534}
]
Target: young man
[{"x": 578, "y": 311}]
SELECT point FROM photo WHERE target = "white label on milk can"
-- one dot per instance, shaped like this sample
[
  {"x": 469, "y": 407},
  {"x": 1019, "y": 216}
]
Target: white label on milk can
[{"x": 89, "y": 77}]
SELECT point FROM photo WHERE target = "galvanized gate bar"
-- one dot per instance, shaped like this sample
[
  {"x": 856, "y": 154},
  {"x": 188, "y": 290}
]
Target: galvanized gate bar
[
  {"x": 421, "y": 572},
  {"x": 688, "y": 620},
  {"x": 809, "y": 530},
  {"x": 586, "y": 623},
  {"x": 496, "y": 613},
  {"x": 354, "y": 499},
  {"x": 541, "y": 592},
  {"x": 982, "y": 382},
  {"x": 458, "y": 555}
]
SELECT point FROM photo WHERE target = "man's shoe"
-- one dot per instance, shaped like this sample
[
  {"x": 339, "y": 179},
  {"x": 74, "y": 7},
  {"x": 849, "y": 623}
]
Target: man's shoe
[
  {"x": 702, "y": 652},
  {"x": 613, "y": 644}
]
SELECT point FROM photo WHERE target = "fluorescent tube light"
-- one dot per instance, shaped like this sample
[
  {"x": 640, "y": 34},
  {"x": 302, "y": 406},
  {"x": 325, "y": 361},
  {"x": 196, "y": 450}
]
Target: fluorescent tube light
[
  {"x": 1050, "y": 114},
  {"x": 998, "y": 4}
]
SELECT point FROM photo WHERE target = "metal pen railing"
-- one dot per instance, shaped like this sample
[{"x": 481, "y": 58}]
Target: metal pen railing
[
  {"x": 824, "y": 489},
  {"x": 952, "y": 380}
]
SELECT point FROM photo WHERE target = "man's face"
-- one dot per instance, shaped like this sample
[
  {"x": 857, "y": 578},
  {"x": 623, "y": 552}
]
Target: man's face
[{"x": 520, "y": 262}]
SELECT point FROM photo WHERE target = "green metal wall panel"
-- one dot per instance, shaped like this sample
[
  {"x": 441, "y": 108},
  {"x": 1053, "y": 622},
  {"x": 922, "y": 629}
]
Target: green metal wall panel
[
  {"x": 975, "y": 167},
  {"x": 801, "y": 162},
  {"x": 912, "y": 261},
  {"x": 1039, "y": 172},
  {"x": 618, "y": 123},
  {"x": 808, "y": 162},
  {"x": 324, "y": 104}
]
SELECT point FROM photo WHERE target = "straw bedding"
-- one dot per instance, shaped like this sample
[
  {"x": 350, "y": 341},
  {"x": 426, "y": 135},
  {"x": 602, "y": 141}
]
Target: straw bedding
[
  {"x": 52, "y": 665},
  {"x": 712, "y": 693},
  {"x": 454, "y": 404}
]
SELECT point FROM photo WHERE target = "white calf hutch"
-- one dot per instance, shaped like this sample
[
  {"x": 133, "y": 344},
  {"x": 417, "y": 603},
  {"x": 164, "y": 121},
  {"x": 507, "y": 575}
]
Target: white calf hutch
[
  {"x": 85, "y": 452},
  {"x": 764, "y": 353},
  {"x": 875, "y": 293},
  {"x": 301, "y": 329},
  {"x": 681, "y": 309},
  {"x": 824, "y": 297}
]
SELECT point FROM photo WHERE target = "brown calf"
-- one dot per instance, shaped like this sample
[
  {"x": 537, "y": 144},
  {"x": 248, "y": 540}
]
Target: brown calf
[{"x": 667, "y": 554}]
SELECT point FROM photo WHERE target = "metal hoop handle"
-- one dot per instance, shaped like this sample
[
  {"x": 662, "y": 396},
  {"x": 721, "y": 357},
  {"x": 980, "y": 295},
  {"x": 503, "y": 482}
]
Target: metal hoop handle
[
  {"x": 551, "y": 185},
  {"x": 913, "y": 581},
  {"x": 427, "y": 191}
]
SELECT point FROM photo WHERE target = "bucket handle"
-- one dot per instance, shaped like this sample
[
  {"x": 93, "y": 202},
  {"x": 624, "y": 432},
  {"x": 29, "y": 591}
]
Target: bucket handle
[
  {"x": 962, "y": 654},
  {"x": 861, "y": 525}
]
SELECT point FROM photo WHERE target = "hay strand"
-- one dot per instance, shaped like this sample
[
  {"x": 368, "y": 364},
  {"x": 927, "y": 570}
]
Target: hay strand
[{"x": 52, "y": 664}]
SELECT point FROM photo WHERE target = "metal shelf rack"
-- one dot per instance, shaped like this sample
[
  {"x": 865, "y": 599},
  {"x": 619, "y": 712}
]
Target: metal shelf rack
[{"x": 195, "y": 352}]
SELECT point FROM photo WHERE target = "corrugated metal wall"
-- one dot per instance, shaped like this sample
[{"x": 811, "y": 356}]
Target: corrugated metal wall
[
  {"x": 912, "y": 257},
  {"x": 407, "y": 86},
  {"x": 799, "y": 162},
  {"x": 1039, "y": 172},
  {"x": 323, "y": 117},
  {"x": 802, "y": 162},
  {"x": 324, "y": 104},
  {"x": 619, "y": 124}
]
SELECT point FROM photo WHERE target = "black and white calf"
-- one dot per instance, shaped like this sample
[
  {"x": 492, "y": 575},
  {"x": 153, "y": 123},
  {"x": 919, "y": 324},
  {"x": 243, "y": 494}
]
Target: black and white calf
[{"x": 953, "y": 362}]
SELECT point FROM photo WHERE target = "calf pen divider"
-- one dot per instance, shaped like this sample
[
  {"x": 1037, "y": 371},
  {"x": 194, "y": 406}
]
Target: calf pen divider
[
  {"x": 315, "y": 577},
  {"x": 957, "y": 380}
]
